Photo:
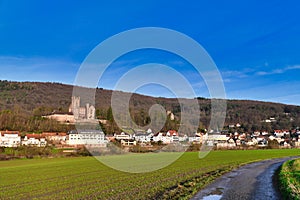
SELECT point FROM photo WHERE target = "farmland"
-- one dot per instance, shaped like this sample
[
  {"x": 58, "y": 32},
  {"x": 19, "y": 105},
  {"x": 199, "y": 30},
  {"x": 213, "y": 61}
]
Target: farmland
[
  {"x": 87, "y": 178},
  {"x": 289, "y": 178}
]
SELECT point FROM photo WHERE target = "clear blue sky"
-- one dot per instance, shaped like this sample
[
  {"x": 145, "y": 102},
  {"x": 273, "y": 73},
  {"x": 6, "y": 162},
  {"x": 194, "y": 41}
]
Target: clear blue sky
[{"x": 255, "y": 44}]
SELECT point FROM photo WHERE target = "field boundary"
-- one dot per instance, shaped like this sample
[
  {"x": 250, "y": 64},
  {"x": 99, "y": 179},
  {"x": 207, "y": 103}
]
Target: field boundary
[{"x": 288, "y": 180}]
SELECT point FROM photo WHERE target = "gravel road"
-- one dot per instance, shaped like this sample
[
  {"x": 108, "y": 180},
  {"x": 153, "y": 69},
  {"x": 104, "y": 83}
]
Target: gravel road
[{"x": 251, "y": 181}]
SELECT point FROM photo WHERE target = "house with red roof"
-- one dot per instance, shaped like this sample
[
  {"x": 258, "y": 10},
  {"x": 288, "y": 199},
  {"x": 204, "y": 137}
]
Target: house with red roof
[
  {"x": 56, "y": 137},
  {"x": 37, "y": 140},
  {"x": 166, "y": 138},
  {"x": 10, "y": 138},
  {"x": 281, "y": 133}
]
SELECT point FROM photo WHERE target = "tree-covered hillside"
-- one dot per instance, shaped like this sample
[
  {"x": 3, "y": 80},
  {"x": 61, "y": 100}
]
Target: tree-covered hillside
[{"x": 23, "y": 103}]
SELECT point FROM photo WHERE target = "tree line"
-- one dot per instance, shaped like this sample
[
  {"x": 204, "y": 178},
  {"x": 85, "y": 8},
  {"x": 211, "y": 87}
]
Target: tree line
[{"x": 23, "y": 103}]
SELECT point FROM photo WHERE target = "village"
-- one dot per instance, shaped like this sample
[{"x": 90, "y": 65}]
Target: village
[
  {"x": 222, "y": 140},
  {"x": 146, "y": 138}
]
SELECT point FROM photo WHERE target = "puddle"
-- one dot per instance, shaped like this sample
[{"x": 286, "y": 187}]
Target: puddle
[{"x": 212, "y": 197}]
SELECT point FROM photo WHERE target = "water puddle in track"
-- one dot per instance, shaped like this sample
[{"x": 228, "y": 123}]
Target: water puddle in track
[{"x": 214, "y": 195}]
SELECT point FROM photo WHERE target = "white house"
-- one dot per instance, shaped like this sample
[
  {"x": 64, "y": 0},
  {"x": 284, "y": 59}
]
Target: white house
[
  {"x": 34, "y": 140},
  {"x": 122, "y": 136},
  {"x": 174, "y": 135},
  {"x": 278, "y": 133},
  {"x": 87, "y": 137},
  {"x": 281, "y": 133},
  {"x": 140, "y": 137},
  {"x": 167, "y": 138},
  {"x": 286, "y": 132},
  {"x": 10, "y": 138}
]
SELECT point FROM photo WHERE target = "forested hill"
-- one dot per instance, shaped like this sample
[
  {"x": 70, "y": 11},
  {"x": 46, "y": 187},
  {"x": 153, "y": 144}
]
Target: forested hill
[{"x": 32, "y": 99}]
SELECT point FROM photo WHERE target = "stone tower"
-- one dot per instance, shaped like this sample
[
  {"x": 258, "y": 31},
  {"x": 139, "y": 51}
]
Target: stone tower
[
  {"x": 86, "y": 112},
  {"x": 75, "y": 107}
]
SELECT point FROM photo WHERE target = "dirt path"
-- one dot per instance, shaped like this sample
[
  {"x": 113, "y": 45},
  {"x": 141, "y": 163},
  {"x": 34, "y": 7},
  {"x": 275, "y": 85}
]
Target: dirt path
[{"x": 252, "y": 181}]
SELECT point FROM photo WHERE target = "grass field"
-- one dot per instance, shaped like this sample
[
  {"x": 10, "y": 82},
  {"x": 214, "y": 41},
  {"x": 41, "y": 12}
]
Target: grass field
[
  {"x": 87, "y": 178},
  {"x": 289, "y": 178}
]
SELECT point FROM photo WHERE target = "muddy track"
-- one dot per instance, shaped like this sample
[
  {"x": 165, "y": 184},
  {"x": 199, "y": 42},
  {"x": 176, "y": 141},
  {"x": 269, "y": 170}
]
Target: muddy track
[{"x": 251, "y": 181}]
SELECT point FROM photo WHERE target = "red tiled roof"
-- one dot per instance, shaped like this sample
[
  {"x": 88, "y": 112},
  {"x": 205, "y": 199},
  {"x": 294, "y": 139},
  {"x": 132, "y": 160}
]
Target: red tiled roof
[
  {"x": 49, "y": 134},
  {"x": 33, "y": 135},
  {"x": 173, "y": 133},
  {"x": 10, "y": 132}
]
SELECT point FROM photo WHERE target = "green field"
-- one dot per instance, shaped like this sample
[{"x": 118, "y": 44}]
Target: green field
[
  {"x": 289, "y": 178},
  {"x": 87, "y": 178}
]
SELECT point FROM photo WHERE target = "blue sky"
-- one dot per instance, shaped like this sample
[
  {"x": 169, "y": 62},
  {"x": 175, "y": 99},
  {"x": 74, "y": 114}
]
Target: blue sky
[{"x": 255, "y": 44}]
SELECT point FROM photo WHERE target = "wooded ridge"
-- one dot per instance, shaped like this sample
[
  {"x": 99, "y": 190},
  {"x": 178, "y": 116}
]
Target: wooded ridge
[{"x": 23, "y": 103}]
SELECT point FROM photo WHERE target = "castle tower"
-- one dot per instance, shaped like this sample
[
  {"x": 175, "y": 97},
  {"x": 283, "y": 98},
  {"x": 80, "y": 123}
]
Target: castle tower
[
  {"x": 85, "y": 112},
  {"x": 75, "y": 107}
]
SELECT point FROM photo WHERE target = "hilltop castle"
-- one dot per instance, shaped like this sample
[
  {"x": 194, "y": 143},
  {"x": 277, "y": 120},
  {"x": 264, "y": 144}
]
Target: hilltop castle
[{"x": 86, "y": 112}]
